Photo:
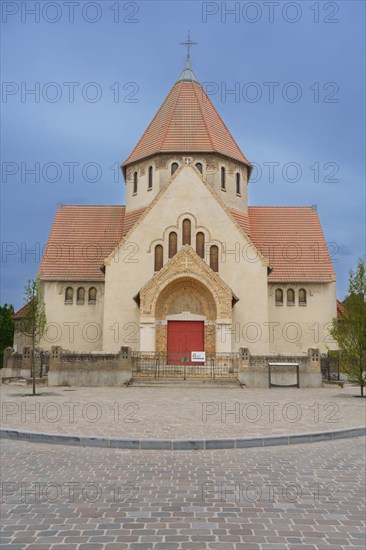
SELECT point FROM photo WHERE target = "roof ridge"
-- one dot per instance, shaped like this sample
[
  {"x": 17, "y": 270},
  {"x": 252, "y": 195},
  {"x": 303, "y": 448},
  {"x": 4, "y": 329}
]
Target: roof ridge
[
  {"x": 204, "y": 119},
  {"x": 149, "y": 126},
  {"x": 171, "y": 114},
  {"x": 92, "y": 206},
  {"x": 227, "y": 129}
]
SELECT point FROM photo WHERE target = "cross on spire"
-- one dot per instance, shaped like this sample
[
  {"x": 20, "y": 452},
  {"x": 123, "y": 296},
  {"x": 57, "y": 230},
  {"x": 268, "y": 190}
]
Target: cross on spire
[{"x": 188, "y": 44}]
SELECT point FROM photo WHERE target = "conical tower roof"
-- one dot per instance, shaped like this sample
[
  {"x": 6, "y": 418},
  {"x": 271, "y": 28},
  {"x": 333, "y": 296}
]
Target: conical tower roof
[{"x": 187, "y": 122}]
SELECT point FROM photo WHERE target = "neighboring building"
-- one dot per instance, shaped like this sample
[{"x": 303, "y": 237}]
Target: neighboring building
[{"x": 186, "y": 265}]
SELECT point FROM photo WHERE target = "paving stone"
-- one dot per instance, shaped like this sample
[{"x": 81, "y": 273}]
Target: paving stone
[
  {"x": 173, "y": 508},
  {"x": 177, "y": 413}
]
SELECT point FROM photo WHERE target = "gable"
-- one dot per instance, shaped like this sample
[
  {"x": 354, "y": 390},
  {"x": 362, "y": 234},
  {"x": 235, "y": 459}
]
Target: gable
[{"x": 188, "y": 193}]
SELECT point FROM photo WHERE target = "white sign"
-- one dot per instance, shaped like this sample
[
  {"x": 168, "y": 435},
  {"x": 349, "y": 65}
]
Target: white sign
[{"x": 198, "y": 356}]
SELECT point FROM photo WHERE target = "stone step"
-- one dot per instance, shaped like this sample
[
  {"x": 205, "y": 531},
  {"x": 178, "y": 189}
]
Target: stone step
[{"x": 177, "y": 381}]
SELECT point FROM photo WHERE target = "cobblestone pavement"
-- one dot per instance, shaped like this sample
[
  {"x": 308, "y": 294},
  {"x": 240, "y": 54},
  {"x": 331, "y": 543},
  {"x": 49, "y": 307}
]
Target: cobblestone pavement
[
  {"x": 66, "y": 498},
  {"x": 180, "y": 412}
]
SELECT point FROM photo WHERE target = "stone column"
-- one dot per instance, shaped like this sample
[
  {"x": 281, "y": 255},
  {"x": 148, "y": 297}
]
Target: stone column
[
  {"x": 126, "y": 365},
  {"x": 312, "y": 377},
  {"x": 244, "y": 362},
  {"x": 147, "y": 335},
  {"x": 224, "y": 335},
  {"x": 25, "y": 371}
]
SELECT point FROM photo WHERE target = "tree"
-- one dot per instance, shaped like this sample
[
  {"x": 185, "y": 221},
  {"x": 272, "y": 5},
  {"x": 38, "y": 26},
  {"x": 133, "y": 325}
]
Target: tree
[
  {"x": 350, "y": 330},
  {"x": 33, "y": 324},
  {"x": 6, "y": 329}
]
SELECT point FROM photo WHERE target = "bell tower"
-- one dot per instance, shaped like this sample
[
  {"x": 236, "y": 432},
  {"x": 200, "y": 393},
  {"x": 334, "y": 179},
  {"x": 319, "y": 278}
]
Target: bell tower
[{"x": 187, "y": 129}]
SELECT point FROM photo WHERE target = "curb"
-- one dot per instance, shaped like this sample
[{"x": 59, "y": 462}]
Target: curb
[{"x": 180, "y": 444}]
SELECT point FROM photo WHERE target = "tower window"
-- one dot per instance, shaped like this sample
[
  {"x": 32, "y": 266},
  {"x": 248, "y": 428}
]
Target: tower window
[
  {"x": 223, "y": 178},
  {"x": 150, "y": 178},
  {"x": 214, "y": 258},
  {"x": 200, "y": 244},
  {"x": 92, "y": 298},
  {"x": 290, "y": 297},
  {"x": 159, "y": 257},
  {"x": 69, "y": 295},
  {"x": 302, "y": 297},
  {"x": 279, "y": 297},
  {"x": 199, "y": 167},
  {"x": 175, "y": 167},
  {"x": 80, "y": 295},
  {"x": 173, "y": 244},
  {"x": 134, "y": 183},
  {"x": 238, "y": 184},
  {"x": 186, "y": 236}
]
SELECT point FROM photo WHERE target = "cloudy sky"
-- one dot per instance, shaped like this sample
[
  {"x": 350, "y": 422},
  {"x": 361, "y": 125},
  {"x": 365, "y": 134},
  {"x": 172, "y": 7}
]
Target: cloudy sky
[{"x": 82, "y": 80}]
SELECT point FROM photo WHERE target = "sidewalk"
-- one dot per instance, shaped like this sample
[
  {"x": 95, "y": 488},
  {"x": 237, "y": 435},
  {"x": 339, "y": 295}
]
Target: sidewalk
[{"x": 180, "y": 412}]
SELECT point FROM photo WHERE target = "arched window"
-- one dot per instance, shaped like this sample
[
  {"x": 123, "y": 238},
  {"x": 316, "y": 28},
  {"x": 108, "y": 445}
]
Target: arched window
[
  {"x": 290, "y": 297},
  {"x": 214, "y": 258},
  {"x": 159, "y": 258},
  {"x": 223, "y": 177},
  {"x": 175, "y": 167},
  {"x": 173, "y": 244},
  {"x": 69, "y": 295},
  {"x": 279, "y": 297},
  {"x": 134, "y": 183},
  {"x": 80, "y": 295},
  {"x": 302, "y": 297},
  {"x": 238, "y": 184},
  {"x": 92, "y": 296},
  {"x": 200, "y": 244},
  {"x": 186, "y": 237},
  {"x": 199, "y": 167},
  {"x": 150, "y": 178}
]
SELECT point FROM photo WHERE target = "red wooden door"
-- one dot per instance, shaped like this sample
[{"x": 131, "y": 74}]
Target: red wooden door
[{"x": 183, "y": 338}]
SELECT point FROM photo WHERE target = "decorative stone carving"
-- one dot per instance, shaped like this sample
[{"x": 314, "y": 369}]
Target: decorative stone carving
[{"x": 186, "y": 268}]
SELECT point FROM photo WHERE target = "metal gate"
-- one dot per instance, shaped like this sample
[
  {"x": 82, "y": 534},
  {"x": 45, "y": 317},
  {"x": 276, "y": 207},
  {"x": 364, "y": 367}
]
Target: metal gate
[
  {"x": 155, "y": 365},
  {"x": 330, "y": 366}
]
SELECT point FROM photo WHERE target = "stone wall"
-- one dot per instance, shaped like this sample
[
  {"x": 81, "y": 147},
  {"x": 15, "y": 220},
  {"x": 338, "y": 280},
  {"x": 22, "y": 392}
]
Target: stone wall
[
  {"x": 18, "y": 365},
  {"x": 254, "y": 370},
  {"x": 89, "y": 369}
]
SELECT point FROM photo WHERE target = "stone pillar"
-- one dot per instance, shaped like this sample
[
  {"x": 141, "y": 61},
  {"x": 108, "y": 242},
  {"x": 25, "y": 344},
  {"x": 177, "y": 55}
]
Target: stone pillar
[
  {"x": 56, "y": 352},
  {"x": 223, "y": 338},
  {"x": 7, "y": 354},
  {"x": 25, "y": 371},
  {"x": 7, "y": 370},
  {"x": 244, "y": 362},
  {"x": 312, "y": 377},
  {"x": 126, "y": 365},
  {"x": 147, "y": 335}
]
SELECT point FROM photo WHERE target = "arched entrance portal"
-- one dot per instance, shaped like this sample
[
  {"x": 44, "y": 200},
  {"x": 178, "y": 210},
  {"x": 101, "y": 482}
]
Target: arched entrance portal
[
  {"x": 185, "y": 312},
  {"x": 186, "y": 290}
]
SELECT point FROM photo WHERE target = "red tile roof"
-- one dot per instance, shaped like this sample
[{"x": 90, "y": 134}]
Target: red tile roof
[
  {"x": 81, "y": 238},
  {"x": 242, "y": 219},
  {"x": 22, "y": 312},
  {"x": 291, "y": 238},
  {"x": 188, "y": 122},
  {"x": 340, "y": 309}
]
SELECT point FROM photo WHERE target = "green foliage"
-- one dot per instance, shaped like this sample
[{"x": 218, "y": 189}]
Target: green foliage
[
  {"x": 350, "y": 331},
  {"x": 33, "y": 323},
  {"x": 6, "y": 329}
]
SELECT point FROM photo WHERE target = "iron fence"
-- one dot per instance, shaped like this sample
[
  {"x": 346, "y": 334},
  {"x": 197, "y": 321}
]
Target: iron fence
[
  {"x": 330, "y": 366},
  {"x": 179, "y": 365}
]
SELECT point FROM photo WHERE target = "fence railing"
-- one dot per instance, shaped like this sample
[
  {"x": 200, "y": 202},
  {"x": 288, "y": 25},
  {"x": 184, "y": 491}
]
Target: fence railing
[
  {"x": 330, "y": 366},
  {"x": 179, "y": 365}
]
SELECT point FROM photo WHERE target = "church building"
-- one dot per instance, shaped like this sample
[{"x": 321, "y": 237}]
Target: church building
[{"x": 186, "y": 266}]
